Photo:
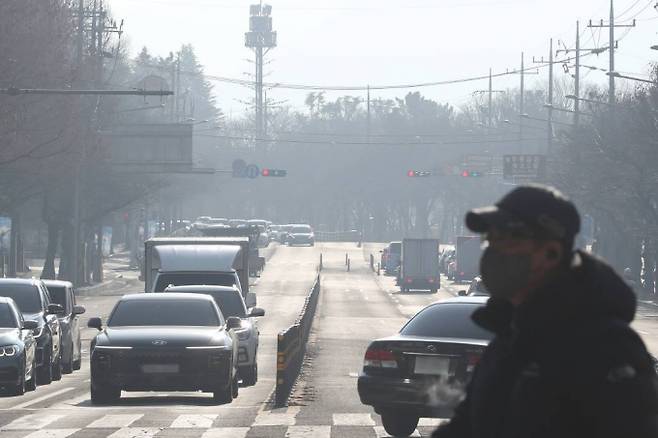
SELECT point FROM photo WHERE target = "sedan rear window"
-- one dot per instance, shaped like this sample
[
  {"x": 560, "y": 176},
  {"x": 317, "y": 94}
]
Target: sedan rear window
[
  {"x": 165, "y": 312},
  {"x": 26, "y": 296},
  {"x": 7, "y": 319},
  {"x": 446, "y": 321},
  {"x": 192, "y": 279}
]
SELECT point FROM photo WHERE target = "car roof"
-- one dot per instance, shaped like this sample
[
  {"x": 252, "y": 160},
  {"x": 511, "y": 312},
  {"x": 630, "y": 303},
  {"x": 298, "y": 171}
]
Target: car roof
[
  {"x": 58, "y": 283},
  {"x": 27, "y": 281},
  {"x": 481, "y": 300},
  {"x": 155, "y": 296},
  {"x": 8, "y": 300},
  {"x": 201, "y": 288}
]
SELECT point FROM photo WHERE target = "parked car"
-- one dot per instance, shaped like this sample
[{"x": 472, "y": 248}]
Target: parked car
[
  {"x": 301, "y": 234},
  {"x": 393, "y": 257},
  {"x": 62, "y": 293},
  {"x": 164, "y": 342},
  {"x": 230, "y": 303},
  {"x": 18, "y": 357},
  {"x": 33, "y": 300},
  {"x": 424, "y": 369}
]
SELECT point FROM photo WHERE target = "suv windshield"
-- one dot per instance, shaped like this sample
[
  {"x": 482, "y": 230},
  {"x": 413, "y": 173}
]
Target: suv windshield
[
  {"x": 197, "y": 278},
  {"x": 446, "y": 321},
  {"x": 26, "y": 296},
  {"x": 164, "y": 312},
  {"x": 7, "y": 319},
  {"x": 230, "y": 303},
  {"x": 300, "y": 230}
]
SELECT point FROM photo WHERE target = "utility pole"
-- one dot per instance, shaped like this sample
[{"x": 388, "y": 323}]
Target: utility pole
[
  {"x": 261, "y": 39},
  {"x": 549, "y": 103},
  {"x": 490, "y": 91},
  {"x": 576, "y": 104},
  {"x": 368, "y": 121},
  {"x": 611, "y": 25}
]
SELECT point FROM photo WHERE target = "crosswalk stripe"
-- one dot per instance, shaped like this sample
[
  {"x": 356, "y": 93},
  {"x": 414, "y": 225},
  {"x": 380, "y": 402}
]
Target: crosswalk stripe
[
  {"x": 308, "y": 431},
  {"x": 42, "y": 398},
  {"x": 32, "y": 422},
  {"x": 353, "y": 420},
  {"x": 193, "y": 421},
  {"x": 136, "y": 432},
  {"x": 226, "y": 432},
  {"x": 52, "y": 433},
  {"x": 381, "y": 433},
  {"x": 115, "y": 421},
  {"x": 286, "y": 418}
]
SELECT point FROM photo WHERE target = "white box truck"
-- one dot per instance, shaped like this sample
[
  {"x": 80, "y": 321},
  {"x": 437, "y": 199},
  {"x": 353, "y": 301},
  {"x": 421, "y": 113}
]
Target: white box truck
[
  {"x": 197, "y": 261},
  {"x": 419, "y": 266}
]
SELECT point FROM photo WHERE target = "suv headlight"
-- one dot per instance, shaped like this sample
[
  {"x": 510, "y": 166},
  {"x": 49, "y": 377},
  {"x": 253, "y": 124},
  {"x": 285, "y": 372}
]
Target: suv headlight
[
  {"x": 37, "y": 332},
  {"x": 243, "y": 334},
  {"x": 8, "y": 350}
]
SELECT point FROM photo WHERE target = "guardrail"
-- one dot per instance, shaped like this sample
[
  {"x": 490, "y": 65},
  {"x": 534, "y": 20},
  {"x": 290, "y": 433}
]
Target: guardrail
[
  {"x": 291, "y": 347},
  {"x": 338, "y": 236}
]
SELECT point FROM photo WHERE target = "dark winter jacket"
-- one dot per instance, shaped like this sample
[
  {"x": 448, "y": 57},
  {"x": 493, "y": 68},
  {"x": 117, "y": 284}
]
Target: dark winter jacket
[{"x": 564, "y": 364}]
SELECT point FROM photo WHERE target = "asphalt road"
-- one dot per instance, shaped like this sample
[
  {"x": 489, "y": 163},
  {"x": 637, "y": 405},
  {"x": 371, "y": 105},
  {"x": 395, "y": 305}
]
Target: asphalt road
[{"x": 355, "y": 307}]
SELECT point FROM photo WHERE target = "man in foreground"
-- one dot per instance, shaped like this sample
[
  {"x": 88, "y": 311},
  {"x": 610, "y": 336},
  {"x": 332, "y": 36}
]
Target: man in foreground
[{"x": 564, "y": 362}]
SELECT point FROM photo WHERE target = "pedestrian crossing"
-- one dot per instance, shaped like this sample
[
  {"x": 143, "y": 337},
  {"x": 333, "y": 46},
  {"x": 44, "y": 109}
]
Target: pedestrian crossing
[{"x": 278, "y": 423}]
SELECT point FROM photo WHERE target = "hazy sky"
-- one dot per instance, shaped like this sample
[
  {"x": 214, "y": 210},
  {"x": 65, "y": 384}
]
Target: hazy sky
[{"x": 359, "y": 42}]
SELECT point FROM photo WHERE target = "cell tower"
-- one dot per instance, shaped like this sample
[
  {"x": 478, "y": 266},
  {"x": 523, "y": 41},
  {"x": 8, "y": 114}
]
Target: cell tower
[{"x": 261, "y": 39}]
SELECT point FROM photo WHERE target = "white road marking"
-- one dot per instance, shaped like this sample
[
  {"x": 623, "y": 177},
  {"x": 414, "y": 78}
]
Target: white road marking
[
  {"x": 308, "y": 431},
  {"x": 32, "y": 422},
  {"x": 135, "y": 432},
  {"x": 353, "y": 420},
  {"x": 381, "y": 433},
  {"x": 226, "y": 432},
  {"x": 52, "y": 433},
  {"x": 113, "y": 421},
  {"x": 42, "y": 398},
  {"x": 193, "y": 421},
  {"x": 269, "y": 418}
]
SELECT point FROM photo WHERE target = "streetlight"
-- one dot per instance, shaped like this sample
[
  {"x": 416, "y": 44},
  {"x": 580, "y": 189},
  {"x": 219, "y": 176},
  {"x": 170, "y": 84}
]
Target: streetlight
[
  {"x": 565, "y": 110},
  {"x": 582, "y": 99},
  {"x": 616, "y": 74}
]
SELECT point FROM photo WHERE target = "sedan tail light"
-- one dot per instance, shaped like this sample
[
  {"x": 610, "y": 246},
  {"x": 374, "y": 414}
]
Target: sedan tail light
[
  {"x": 471, "y": 361},
  {"x": 378, "y": 358}
]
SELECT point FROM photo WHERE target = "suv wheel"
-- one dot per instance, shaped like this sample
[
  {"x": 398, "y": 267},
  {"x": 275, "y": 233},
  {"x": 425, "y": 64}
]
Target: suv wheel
[
  {"x": 399, "y": 423},
  {"x": 31, "y": 384},
  {"x": 224, "y": 395},
  {"x": 57, "y": 367},
  {"x": 67, "y": 365},
  {"x": 102, "y": 394},
  {"x": 249, "y": 375},
  {"x": 45, "y": 371}
]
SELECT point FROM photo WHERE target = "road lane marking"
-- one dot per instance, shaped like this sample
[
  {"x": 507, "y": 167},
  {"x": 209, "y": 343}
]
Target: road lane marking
[
  {"x": 42, "y": 398},
  {"x": 136, "y": 432},
  {"x": 32, "y": 422},
  {"x": 115, "y": 421},
  {"x": 193, "y": 421},
  {"x": 381, "y": 433},
  {"x": 308, "y": 431},
  {"x": 269, "y": 418},
  {"x": 226, "y": 432},
  {"x": 52, "y": 433},
  {"x": 353, "y": 420}
]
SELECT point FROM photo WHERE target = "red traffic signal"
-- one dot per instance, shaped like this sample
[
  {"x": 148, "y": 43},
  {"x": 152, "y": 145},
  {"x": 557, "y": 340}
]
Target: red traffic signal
[
  {"x": 279, "y": 173},
  {"x": 471, "y": 174},
  {"x": 418, "y": 173},
  {"x": 266, "y": 172}
]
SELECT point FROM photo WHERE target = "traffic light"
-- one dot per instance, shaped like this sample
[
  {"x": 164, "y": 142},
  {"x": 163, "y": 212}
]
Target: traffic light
[
  {"x": 279, "y": 173},
  {"x": 472, "y": 174},
  {"x": 418, "y": 173}
]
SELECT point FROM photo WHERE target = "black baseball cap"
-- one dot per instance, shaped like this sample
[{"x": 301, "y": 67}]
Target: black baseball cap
[{"x": 542, "y": 211}]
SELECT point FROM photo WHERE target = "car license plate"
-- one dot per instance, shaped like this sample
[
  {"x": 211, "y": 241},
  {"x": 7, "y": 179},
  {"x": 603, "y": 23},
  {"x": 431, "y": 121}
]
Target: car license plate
[
  {"x": 432, "y": 365},
  {"x": 160, "y": 368}
]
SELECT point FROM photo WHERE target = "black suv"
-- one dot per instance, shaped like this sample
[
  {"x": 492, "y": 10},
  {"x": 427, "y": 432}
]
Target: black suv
[
  {"x": 62, "y": 293},
  {"x": 33, "y": 300}
]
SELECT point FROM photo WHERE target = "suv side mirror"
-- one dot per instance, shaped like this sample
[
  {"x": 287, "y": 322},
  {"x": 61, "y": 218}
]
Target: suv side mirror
[
  {"x": 55, "y": 309},
  {"x": 95, "y": 322},
  {"x": 233, "y": 322},
  {"x": 256, "y": 312},
  {"x": 79, "y": 310},
  {"x": 251, "y": 300},
  {"x": 461, "y": 293},
  {"x": 30, "y": 325}
]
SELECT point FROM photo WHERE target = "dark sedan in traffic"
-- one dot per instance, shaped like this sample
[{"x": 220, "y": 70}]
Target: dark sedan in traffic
[
  {"x": 18, "y": 359},
  {"x": 164, "y": 342},
  {"x": 423, "y": 370}
]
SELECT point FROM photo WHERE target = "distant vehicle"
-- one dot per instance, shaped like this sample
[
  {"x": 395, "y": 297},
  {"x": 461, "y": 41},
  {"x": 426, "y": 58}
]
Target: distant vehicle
[
  {"x": 18, "y": 357},
  {"x": 234, "y": 223},
  {"x": 217, "y": 221},
  {"x": 394, "y": 253},
  {"x": 230, "y": 302},
  {"x": 301, "y": 234},
  {"x": 475, "y": 289},
  {"x": 251, "y": 233},
  {"x": 33, "y": 300},
  {"x": 164, "y": 342},
  {"x": 62, "y": 293},
  {"x": 203, "y": 219},
  {"x": 424, "y": 369},
  {"x": 468, "y": 251},
  {"x": 419, "y": 268},
  {"x": 445, "y": 258},
  {"x": 220, "y": 261}
]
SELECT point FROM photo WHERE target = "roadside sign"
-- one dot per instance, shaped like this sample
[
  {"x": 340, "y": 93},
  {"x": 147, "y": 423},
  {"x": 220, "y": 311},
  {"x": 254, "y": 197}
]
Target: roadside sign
[{"x": 524, "y": 166}]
